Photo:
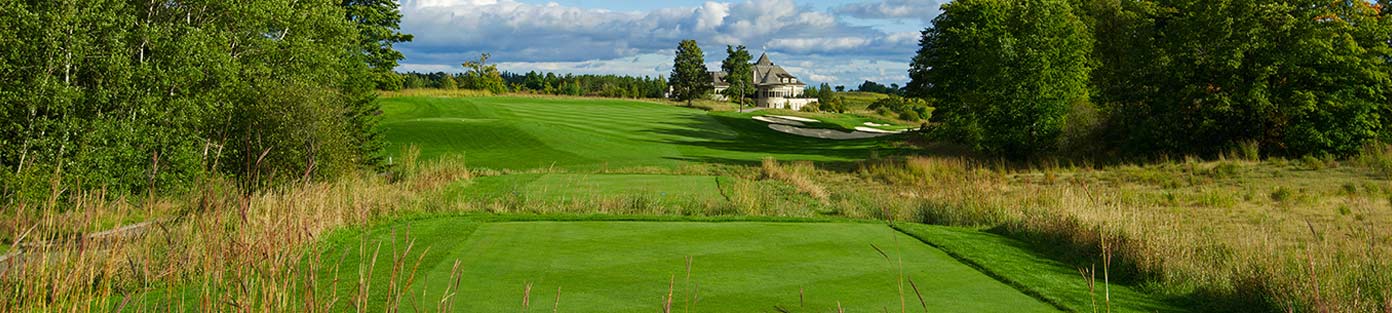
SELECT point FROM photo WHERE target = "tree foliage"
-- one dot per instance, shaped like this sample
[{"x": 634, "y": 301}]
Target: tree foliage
[
  {"x": 739, "y": 73},
  {"x": 378, "y": 23},
  {"x": 483, "y": 76},
  {"x": 612, "y": 86},
  {"x": 1003, "y": 72},
  {"x": 690, "y": 79},
  {"x": 908, "y": 109},
  {"x": 138, "y": 95},
  {"x": 869, "y": 86},
  {"x": 1297, "y": 77}
]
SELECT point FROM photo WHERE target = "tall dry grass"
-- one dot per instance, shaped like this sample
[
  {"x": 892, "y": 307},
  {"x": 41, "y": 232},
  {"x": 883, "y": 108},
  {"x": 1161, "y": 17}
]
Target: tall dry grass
[
  {"x": 1196, "y": 229},
  {"x": 795, "y": 174},
  {"x": 220, "y": 249},
  {"x": 435, "y": 92}
]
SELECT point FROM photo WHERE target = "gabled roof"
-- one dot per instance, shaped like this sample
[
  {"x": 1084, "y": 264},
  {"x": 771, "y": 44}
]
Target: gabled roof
[
  {"x": 765, "y": 73},
  {"x": 719, "y": 79}
]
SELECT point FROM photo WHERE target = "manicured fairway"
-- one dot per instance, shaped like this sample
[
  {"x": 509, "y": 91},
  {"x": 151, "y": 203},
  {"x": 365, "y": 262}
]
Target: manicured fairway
[
  {"x": 739, "y": 267},
  {"x": 525, "y": 133}
]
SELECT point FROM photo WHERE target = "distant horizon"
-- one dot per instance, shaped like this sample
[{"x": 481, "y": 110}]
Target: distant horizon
[{"x": 840, "y": 42}]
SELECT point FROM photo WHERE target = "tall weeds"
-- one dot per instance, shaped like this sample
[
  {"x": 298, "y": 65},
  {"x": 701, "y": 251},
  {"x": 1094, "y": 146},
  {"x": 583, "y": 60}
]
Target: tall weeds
[
  {"x": 221, "y": 249},
  {"x": 798, "y": 175},
  {"x": 1267, "y": 260}
]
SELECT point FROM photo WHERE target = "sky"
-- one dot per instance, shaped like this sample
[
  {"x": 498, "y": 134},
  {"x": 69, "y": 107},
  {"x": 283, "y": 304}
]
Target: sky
[{"x": 841, "y": 42}]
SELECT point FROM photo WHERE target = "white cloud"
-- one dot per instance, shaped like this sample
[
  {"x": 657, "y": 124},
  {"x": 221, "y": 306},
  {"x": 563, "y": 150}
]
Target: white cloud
[
  {"x": 819, "y": 44},
  {"x": 559, "y": 38},
  {"x": 924, "y": 10}
]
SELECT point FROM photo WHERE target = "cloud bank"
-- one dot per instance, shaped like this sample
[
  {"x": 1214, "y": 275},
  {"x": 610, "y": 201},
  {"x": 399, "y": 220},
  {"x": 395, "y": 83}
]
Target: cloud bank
[
  {"x": 924, "y": 10},
  {"x": 552, "y": 37}
]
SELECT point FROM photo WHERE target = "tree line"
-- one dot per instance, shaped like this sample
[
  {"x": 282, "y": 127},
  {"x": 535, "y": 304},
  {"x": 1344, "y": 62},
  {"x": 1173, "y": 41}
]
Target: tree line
[
  {"x": 1025, "y": 78},
  {"x": 612, "y": 86},
  {"x": 137, "y": 96},
  {"x": 870, "y": 86}
]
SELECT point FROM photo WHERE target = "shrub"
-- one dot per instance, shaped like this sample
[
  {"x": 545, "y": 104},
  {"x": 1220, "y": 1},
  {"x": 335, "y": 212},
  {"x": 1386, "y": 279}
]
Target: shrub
[
  {"x": 1282, "y": 194},
  {"x": 908, "y": 109}
]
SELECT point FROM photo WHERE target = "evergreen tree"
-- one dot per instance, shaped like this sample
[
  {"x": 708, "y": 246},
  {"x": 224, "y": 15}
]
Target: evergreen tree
[
  {"x": 378, "y": 22},
  {"x": 690, "y": 78}
]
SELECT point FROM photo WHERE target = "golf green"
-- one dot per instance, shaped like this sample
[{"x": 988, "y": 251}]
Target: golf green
[{"x": 736, "y": 267}]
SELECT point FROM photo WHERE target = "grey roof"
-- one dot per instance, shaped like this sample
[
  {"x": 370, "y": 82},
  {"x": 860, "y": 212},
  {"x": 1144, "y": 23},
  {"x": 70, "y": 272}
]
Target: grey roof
[
  {"x": 764, "y": 60},
  {"x": 765, "y": 74},
  {"x": 719, "y": 78}
]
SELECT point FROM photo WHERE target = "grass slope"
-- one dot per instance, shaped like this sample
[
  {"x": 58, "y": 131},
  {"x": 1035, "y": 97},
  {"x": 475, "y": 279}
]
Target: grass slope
[
  {"x": 529, "y": 133},
  {"x": 1012, "y": 261},
  {"x": 739, "y": 266}
]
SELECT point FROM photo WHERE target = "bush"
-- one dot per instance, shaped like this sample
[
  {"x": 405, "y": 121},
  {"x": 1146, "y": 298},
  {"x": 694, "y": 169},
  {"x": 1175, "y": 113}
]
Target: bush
[
  {"x": 1304, "y": 85},
  {"x": 152, "y": 102},
  {"x": 907, "y": 109},
  {"x": 1082, "y": 131}
]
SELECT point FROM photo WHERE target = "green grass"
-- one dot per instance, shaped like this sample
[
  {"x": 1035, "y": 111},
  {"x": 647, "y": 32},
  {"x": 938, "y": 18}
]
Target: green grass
[
  {"x": 530, "y": 133},
  {"x": 563, "y": 186},
  {"x": 739, "y": 266},
  {"x": 568, "y": 149},
  {"x": 1012, "y": 261},
  {"x": 856, "y": 100}
]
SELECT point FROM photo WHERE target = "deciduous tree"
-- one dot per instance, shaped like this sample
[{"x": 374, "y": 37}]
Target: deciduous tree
[{"x": 1003, "y": 72}]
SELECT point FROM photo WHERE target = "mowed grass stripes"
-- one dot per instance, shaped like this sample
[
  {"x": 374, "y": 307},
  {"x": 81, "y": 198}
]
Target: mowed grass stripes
[
  {"x": 738, "y": 266},
  {"x": 526, "y": 133}
]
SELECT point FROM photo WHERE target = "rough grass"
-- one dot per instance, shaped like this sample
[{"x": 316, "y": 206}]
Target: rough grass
[
  {"x": 857, "y": 101},
  {"x": 435, "y": 92},
  {"x": 1234, "y": 235},
  {"x": 226, "y": 249}
]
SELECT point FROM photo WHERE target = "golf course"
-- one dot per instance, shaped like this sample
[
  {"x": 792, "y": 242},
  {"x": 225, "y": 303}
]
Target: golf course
[
  {"x": 780, "y": 156},
  {"x": 627, "y": 158}
]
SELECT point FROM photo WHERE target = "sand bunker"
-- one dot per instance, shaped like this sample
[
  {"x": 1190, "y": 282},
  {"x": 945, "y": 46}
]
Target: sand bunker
[
  {"x": 776, "y": 120},
  {"x": 823, "y": 133},
  {"x": 873, "y": 124},
  {"x": 878, "y": 131},
  {"x": 790, "y": 125},
  {"x": 795, "y": 118}
]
